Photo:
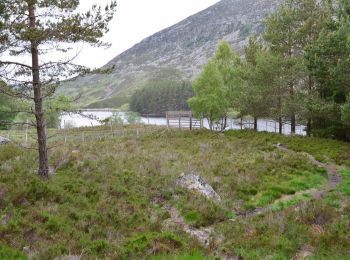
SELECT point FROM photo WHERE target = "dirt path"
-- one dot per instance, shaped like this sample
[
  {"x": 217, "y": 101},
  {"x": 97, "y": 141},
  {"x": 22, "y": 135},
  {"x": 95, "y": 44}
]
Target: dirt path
[
  {"x": 201, "y": 234},
  {"x": 204, "y": 235}
]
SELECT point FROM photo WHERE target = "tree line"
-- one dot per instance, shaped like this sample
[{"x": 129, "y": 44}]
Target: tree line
[
  {"x": 158, "y": 97},
  {"x": 297, "y": 71}
]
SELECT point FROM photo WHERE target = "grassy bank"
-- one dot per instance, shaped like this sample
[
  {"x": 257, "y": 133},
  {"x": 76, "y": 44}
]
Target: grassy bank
[{"x": 108, "y": 198}]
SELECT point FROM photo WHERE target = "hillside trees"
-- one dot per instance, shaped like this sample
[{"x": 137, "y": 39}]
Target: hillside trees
[
  {"x": 288, "y": 32},
  {"x": 32, "y": 32},
  {"x": 300, "y": 69},
  {"x": 157, "y": 98},
  {"x": 329, "y": 64}
]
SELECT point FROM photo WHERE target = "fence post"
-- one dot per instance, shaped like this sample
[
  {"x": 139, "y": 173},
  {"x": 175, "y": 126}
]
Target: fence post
[
  {"x": 191, "y": 122},
  {"x": 167, "y": 120},
  {"x": 27, "y": 131},
  {"x": 112, "y": 129}
]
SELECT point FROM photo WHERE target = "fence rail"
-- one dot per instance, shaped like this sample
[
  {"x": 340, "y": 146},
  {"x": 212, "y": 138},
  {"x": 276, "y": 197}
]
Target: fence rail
[{"x": 65, "y": 136}]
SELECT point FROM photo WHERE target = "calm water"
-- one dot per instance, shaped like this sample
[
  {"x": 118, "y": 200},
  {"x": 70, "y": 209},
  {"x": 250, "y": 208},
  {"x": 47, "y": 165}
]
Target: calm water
[{"x": 85, "y": 120}]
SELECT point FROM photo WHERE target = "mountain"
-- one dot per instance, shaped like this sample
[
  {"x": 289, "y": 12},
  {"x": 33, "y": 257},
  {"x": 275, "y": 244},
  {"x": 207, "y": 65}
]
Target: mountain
[{"x": 173, "y": 54}]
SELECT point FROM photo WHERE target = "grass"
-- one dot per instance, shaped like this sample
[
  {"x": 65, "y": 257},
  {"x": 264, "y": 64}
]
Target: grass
[{"x": 108, "y": 197}]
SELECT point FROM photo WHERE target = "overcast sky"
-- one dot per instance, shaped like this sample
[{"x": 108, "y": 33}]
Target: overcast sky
[{"x": 134, "y": 21}]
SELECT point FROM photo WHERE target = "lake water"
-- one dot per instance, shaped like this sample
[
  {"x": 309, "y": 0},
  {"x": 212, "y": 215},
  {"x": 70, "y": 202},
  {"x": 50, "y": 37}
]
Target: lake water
[{"x": 86, "y": 119}]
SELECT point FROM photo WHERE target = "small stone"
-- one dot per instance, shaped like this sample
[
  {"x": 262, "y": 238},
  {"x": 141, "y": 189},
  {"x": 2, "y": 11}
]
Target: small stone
[
  {"x": 4, "y": 140},
  {"x": 27, "y": 250},
  {"x": 68, "y": 257}
]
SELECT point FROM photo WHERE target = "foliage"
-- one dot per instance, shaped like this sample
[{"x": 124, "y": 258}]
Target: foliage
[
  {"x": 215, "y": 87},
  {"x": 210, "y": 100},
  {"x": 132, "y": 117},
  {"x": 159, "y": 97},
  {"x": 7, "y": 114},
  {"x": 346, "y": 112},
  {"x": 328, "y": 62}
]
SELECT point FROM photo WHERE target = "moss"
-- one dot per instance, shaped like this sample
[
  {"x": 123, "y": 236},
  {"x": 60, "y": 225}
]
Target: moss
[{"x": 7, "y": 253}]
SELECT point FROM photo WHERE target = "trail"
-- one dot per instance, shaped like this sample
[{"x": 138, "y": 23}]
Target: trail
[
  {"x": 202, "y": 235},
  {"x": 205, "y": 234}
]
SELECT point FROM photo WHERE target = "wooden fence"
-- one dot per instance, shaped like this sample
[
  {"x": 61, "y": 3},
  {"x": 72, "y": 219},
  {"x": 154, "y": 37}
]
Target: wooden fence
[{"x": 182, "y": 119}]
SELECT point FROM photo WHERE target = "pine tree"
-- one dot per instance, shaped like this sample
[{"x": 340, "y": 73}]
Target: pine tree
[
  {"x": 329, "y": 64},
  {"x": 288, "y": 32},
  {"x": 34, "y": 29}
]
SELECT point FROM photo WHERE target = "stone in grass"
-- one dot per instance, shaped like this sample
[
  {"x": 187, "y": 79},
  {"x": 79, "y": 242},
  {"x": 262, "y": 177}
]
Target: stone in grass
[
  {"x": 4, "y": 140},
  {"x": 194, "y": 182},
  {"x": 69, "y": 257}
]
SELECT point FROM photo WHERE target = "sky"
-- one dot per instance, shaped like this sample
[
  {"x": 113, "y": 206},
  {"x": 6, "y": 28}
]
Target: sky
[{"x": 136, "y": 20}]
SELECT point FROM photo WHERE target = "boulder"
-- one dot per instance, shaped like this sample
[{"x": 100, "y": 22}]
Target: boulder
[
  {"x": 4, "y": 140},
  {"x": 196, "y": 183}
]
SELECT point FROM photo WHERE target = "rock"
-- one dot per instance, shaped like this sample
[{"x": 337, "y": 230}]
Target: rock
[
  {"x": 68, "y": 257},
  {"x": 4, "y": 140},
  {"x": 31, "y": 254},
  {"x": 196, "y": 183}
]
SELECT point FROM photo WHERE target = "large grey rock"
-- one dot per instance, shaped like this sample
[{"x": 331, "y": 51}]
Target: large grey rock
[
  {"x": 196, "y": 183},
  {"x": 4, "y": 140}
]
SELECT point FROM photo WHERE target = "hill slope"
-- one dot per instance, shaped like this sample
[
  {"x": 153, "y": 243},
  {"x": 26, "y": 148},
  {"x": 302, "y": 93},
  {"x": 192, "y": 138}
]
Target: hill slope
[{"x": 177, "y": 52}]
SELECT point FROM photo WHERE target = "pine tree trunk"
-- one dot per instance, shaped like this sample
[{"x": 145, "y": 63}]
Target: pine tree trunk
[
  {"x": 292, "y": 115},
  {"x": 38, "y": 100},
  {"x": 255, "y": 123},
  {"x": 280, "y": 126},
  {"x": 308, "y": 127},
  {"x": 309, "y": 121},
  {"x": 293, "y": 123}
]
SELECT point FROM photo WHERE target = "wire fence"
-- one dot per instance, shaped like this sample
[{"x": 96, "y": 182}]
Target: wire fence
[
  {"x": 64, "y": 136},
  {"x": 86, "y": 134}
]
